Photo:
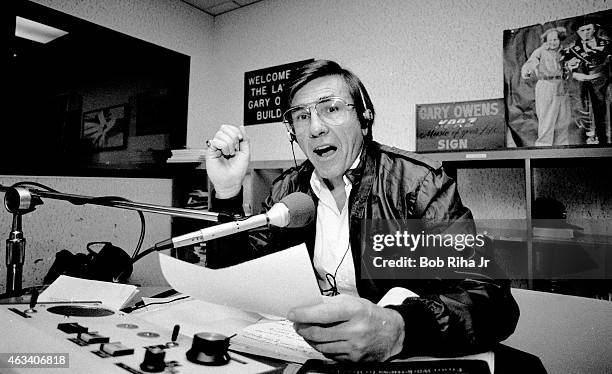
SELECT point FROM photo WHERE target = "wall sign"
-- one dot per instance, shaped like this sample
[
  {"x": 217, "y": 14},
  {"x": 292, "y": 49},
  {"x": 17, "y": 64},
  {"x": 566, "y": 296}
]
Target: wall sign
[
  {"x": 263, "y": 90},
  {"x": 460, "y": 126}
]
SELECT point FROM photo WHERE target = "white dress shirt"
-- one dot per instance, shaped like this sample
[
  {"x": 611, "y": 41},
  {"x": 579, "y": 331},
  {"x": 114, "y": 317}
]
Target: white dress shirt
[{"x": 332, "y": 251}]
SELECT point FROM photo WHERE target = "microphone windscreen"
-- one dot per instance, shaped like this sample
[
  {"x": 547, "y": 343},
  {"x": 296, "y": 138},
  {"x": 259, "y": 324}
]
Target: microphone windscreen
[{"x": 301, "y": 209}]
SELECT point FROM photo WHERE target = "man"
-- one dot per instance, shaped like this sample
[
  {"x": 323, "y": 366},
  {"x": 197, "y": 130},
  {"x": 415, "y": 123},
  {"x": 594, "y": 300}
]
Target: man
[
  {"x": 351, "y": 178},
  {"x": 587, "y": 61},
  {"x": 551, "y": 100}
]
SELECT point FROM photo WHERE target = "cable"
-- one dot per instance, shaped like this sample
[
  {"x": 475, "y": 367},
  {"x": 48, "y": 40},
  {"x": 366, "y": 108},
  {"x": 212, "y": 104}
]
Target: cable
[
  {"x": 142, "y": 219},
  {"x": 293, "y": 152},
  {"x": 35, "y": 184},
  {"x": 331, "y": 279},
  {"x": 94, "y": 200},
  {"x": 141, "y": 255},
  {"x": 143, "y": 305}
]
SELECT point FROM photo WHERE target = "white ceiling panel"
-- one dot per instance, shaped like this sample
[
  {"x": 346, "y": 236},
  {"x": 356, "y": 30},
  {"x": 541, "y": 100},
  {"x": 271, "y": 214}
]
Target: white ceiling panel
[{"x": 217, "y": 7}]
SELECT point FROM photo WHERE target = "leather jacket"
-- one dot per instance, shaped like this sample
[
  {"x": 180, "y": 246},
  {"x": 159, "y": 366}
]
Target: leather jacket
[{"x": 452, "y": 316}]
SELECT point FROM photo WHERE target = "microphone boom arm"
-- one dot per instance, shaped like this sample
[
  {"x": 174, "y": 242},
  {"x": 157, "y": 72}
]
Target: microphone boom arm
[
  {"x": 20, "y": 200},
  {"x": 115, "y": 203}
]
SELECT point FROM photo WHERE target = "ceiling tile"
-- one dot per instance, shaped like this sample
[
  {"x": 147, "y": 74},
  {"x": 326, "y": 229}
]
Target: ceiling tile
[
  {"x": 246, "y": 2},
  {"x": 222, "y": 8},
  {"x": 216, "y": 7},
  {"x": 205, "y": 4}
]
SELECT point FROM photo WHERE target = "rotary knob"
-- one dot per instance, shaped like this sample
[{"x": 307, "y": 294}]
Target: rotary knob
[
  {"x": 209, "y": 349},
  {"x": 153, "y": 360}
]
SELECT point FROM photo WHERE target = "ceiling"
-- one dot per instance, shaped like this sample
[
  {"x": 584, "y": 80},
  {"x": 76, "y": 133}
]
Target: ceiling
[{"x": 217, "y": 7}]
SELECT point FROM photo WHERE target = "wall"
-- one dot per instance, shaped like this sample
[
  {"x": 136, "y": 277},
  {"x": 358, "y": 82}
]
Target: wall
[{"x": 406, "y": 52}]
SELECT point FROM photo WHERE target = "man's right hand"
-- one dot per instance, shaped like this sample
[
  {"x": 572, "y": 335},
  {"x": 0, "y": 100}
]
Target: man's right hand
[{"x": 227, "y": 160}]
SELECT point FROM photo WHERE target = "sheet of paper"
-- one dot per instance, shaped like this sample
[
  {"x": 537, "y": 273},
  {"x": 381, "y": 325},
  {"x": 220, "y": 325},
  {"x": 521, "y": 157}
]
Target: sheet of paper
[
  {"x": 65, "y": 288},
  {"x": 195, "y": 316},
  {"x": 272, "y": 284},
  {"x": 276, "y": 339}
]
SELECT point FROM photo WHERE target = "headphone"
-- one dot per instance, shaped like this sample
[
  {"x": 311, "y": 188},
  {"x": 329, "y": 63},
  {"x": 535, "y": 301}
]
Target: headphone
[{"x": 367, "y": 115}]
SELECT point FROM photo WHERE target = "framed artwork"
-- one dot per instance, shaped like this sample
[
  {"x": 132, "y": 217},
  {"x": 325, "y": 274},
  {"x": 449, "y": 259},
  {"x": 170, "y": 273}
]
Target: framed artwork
[
  {"x": 557, "y": 82},
  {"x": 106, "y": 128}
]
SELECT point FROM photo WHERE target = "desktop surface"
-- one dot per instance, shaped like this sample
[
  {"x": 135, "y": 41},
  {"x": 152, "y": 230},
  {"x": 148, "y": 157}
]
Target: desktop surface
[{"x": 38, "y": 332}]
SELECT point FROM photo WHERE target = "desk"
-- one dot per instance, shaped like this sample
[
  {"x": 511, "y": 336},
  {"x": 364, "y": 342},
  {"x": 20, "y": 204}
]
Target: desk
[
  {"x": 510, "y": 360},
  {"x": 507, "y": 360}
]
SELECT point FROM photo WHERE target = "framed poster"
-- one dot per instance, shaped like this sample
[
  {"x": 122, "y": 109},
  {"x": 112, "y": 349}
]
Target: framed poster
[
  {"x": 557, "y": 82},
  {"x": 106, "y": 128}
]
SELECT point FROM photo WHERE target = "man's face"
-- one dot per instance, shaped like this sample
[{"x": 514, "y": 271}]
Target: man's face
[
  {"x": 552, "y": 40},
  {"x": 586, "y": 32},
  {"x": 331, "y": 148}
]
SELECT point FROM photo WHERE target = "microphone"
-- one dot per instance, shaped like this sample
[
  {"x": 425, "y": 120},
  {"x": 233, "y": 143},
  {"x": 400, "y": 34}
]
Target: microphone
[{"x": 294, "y": 210}]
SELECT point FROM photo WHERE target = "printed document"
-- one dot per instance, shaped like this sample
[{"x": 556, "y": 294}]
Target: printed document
[{"x": 272, "y": 284}]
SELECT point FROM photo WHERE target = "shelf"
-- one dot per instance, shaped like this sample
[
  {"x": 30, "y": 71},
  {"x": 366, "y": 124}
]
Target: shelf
[
  {"x": 522, "y": 153},
  {"x": 505, "y": 154},
  {"x": 582, "y": 239},
  {"x": 265, "y": 164}
]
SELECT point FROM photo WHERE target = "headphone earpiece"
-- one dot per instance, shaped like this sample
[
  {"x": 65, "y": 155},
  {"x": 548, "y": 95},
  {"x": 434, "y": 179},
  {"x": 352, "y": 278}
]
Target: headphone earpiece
[{"x": 368, "y": 116}]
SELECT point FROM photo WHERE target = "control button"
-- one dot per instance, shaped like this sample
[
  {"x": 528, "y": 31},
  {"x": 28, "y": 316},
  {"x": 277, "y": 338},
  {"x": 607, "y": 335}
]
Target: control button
[
  {"x": 93, "y": 337},
  {"x": 175, "y": 333},
  {"x": 209, "y": 349},
  {"x": 148, "y": 334},
  {"x": 116, "y": 349},
  {"x": 153, "y": 360},
  {"x": 33, "y": 301},
  {"x": 129, "y": 326},
  {"x": 71, "y": 328}
]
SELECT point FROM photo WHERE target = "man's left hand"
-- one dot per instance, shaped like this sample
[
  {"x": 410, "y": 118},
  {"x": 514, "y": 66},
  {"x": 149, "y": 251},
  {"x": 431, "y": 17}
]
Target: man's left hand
[{"x": 347, "y": 328}]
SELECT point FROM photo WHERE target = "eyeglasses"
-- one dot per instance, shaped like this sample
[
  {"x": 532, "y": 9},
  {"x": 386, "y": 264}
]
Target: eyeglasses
[{"x": 332, "y": 110}]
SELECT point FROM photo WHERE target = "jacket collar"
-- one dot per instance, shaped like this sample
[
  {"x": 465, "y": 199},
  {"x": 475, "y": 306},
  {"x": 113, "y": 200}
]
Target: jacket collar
[
  {"x": 354, "y": 175},
  {"x": 362, "y": 178}
]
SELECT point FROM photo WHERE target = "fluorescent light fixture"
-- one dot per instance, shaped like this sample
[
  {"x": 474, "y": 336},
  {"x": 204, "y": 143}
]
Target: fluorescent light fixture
[{"x": 38, "y": 32}]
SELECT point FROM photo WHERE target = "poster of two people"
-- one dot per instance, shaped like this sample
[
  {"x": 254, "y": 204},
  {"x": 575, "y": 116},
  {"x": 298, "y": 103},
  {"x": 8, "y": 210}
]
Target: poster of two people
[{"x": 557, "y": 88}]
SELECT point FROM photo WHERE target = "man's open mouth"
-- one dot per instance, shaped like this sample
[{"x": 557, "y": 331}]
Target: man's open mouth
[{"x": 325, "y": 150}]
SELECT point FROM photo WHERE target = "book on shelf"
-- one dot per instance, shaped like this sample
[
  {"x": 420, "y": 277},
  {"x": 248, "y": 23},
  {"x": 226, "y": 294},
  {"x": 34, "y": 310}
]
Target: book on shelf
[
  {"x": 554, "y": 232},
  {"x": 187, "y": 155},
  {"x": 197, "y": 199}
]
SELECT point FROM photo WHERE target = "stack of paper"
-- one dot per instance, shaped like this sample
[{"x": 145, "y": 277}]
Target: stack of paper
[
  {"x": 554, "y": 232},
  {"x": 187, "y": 155},
  {"x": 71, "y": 289}
]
